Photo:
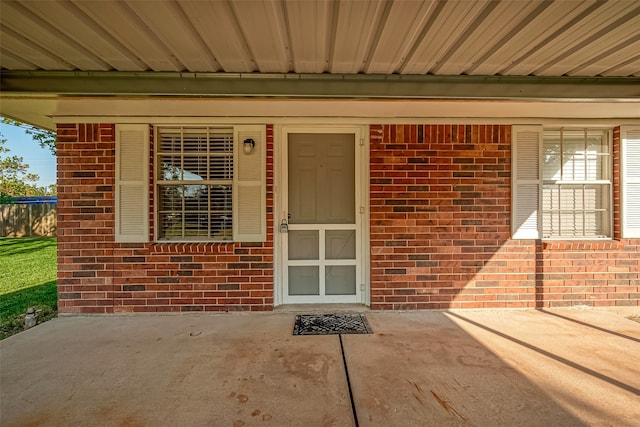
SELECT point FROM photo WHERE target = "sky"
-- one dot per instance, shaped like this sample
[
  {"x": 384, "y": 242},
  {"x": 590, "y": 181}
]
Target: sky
[{"x": 40, "y": 160}]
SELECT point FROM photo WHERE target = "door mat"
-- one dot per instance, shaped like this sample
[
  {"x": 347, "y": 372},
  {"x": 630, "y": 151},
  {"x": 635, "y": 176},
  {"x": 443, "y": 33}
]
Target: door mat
[{"x": 328, "y": 324}]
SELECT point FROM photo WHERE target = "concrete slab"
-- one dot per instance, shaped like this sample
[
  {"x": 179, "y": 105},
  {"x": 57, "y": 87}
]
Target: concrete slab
[
  {"x": 479, "y": 368},
  {"x": 227, "y": 370},
  {"x": 525, "y": 368}
]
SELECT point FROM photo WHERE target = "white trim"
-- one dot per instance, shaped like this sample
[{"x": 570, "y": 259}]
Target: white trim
[
  {"x": 47, "y": 111},
  {"x": 361, "y": 134},
  {"x": 429, "y": 119},
  {"x": 326, "y": 299},
  {"x": 278, "y": 179},
  {"x": 361, "y": 110}
]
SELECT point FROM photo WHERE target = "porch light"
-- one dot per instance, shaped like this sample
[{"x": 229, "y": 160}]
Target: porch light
[{"x": 248, "y": 145}]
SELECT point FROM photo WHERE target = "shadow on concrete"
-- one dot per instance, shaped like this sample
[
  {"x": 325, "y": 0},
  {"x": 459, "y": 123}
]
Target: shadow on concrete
[
  {"x": 426, "y": 371},
  {"x": 553, "y": 356},
  {"x": 417, "y": 369},
  {"x": 589, "y": 325}
]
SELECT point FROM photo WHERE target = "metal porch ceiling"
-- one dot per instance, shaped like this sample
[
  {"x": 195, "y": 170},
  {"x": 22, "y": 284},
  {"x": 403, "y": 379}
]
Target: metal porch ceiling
[{"x": 442, "y": 38}]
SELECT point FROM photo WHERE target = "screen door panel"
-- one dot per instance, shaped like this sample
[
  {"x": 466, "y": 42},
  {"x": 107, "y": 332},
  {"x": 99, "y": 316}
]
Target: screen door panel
[
  {"x": 321, "y": 179},
  {"x": 321, "y": 243},
  {"x": 304, "y": 280}
]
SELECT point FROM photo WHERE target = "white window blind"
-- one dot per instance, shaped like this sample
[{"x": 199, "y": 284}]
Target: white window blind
[
  {"x": 561, "y": 183},
  {"x": 194, "y": 175},
  {"x": 131, "y": 186},
  {"x": 630, "y": 154}
]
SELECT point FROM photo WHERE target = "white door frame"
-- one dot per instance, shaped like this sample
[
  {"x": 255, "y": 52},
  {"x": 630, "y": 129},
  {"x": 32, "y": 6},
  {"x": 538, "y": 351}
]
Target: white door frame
[{"x": 361, "y": 133}]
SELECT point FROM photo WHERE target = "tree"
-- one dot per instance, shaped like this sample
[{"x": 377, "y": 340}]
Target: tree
[
  {"x": 15, "y": 178},
  {"x": 45, "y": 138}
]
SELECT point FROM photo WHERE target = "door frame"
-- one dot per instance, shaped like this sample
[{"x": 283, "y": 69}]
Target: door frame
[{"x": 280, "y": 189}]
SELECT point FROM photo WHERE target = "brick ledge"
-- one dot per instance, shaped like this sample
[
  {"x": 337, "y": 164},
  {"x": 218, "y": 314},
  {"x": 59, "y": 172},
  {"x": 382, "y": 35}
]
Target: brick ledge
[{"x": 583, "y": 245}]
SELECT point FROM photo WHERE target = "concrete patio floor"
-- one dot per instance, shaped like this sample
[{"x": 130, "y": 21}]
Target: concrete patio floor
[{"x": 480, "y": 368}]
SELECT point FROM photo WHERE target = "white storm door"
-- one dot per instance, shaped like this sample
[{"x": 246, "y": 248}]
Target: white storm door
[{"x": 321, "y": 248}]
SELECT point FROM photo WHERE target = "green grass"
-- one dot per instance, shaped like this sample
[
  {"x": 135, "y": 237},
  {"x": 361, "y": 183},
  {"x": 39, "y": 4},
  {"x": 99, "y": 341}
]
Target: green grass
[{"x": 27, "y": 279}]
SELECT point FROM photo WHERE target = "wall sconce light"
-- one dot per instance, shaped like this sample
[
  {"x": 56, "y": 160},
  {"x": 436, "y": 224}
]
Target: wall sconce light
[{"x": 248, "y": 145}]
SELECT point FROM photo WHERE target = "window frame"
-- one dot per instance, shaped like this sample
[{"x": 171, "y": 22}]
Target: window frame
[
  {"x": 159, "y": 182},
  {"x": 609, "y": 183}
]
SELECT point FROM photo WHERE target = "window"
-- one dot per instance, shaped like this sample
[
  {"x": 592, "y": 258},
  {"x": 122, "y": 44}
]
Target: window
[
  {"x": 206, "y": 188},
  {"x": 195, "y": 183},
  {"x": 562, "y": 185},
  {"x": 576, "y": 183}
]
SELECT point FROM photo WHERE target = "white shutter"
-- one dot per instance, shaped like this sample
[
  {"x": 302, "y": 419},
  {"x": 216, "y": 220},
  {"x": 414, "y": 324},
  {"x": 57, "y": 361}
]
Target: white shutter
[
  {"x": 526, "y": 182},
  {"x": 630, "y": 155},
  {"x": 249, "y": 186},
  {"x": 132, "y": 176}
]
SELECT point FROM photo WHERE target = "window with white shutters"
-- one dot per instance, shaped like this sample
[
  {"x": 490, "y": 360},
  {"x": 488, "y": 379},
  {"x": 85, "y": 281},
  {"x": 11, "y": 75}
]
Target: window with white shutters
[{"x": 562, "y": 185}]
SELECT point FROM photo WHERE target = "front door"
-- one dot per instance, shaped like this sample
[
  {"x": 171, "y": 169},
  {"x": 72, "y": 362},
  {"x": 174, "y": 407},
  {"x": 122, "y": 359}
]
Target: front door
[{"x": 321, "y": 248}]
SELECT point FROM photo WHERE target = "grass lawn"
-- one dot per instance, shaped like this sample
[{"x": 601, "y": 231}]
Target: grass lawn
[{"x": 27, "y": 279}]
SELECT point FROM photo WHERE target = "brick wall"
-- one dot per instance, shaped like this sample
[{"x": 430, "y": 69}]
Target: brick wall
[
  {"x": 440, "y": 230},
  {"x": 97, "y": 275},
  {"x": 440, "y": 236}
]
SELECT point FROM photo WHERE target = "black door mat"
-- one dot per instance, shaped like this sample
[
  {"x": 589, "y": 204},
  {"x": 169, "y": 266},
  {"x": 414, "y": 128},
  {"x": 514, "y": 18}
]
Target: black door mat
[{"x": 331, "y": 324}]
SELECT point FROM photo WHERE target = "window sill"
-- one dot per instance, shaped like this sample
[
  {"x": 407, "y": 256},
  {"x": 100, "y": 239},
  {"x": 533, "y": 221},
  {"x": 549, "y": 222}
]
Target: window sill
[
  {"x": 192, "y": 247},
  {"x": 583, "y": 245}
]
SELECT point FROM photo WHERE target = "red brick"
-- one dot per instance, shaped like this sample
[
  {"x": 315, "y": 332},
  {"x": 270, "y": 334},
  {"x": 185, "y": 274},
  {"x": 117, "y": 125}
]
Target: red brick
[
  {"x": 440, "y": 208},
  {"x": 86, "y": 172},
  {"x": 464, "y": 237}
]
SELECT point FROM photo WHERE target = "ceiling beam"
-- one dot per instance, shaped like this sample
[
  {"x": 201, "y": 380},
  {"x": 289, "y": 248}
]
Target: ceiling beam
[{"x": 344, "y": 86}]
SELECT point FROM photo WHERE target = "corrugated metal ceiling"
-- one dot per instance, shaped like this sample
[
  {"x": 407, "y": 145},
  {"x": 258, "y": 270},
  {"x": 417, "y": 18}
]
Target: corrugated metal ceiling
[{"x": 505, "y": 38}]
